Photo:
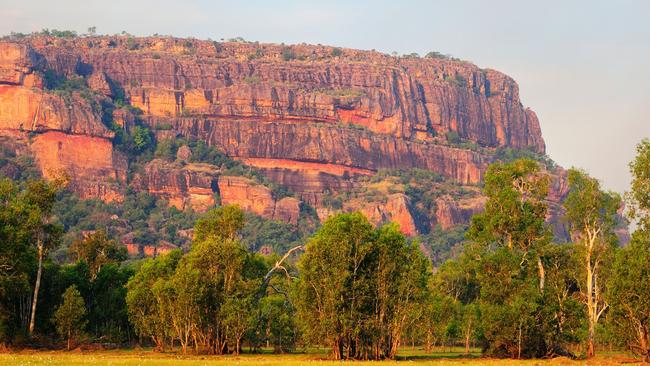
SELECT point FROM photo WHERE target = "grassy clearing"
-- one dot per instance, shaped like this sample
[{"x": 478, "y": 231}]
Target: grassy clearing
[{"x": 146, "y": 358}]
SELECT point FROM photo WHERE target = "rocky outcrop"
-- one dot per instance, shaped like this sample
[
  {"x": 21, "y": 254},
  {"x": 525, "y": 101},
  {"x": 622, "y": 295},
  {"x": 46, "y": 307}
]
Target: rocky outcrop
[
  {"x": 258, "y": 199},
  {"x": 313, "y": 120},
  {"x": 396, "y": 209},
  {"x": 68, "y": 138},
  {"x": 16, "y": 64},
  {"x": 451, "y": 212},
  {"x": 192, "y": 185},
  {"x": 93, "y": 168},
  {"x": 201, "y": 186}
]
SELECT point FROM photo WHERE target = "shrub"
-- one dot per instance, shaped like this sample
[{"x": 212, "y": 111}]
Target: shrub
[
  {"x": 288, "y": 54},
  {"x": 453, "y": 137},
  {"x": 251, "y": 79},
  {"x": 336, "y": 52},
  {"x": 164, "y": 126},
  {"x": 59, "y": 33},
  {"x": 456, "y": 80},
  {"x": 132, "y": 44},
  {"x": 142, "y": 138}
]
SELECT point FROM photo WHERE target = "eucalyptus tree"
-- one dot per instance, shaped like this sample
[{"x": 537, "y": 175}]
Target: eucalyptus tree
[
  {"x": 506, "y": 244},
  {"x": 39, "y": 198},
  {"x": 592, "y": 216},
  {"x": 145, "y": 312},
  {"x": 629, "y": 287},
  {"x": 515, "y": 211},
  {"x": 629, "y": 294}
]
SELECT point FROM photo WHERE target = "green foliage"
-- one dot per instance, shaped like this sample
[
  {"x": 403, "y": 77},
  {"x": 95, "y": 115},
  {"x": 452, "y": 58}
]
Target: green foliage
[
  {"x": 453, "y": 137},
  {"x": 443, "y": 244},
  {"x": 524, "y": 288},
  {"x": 591, "y": 214},
  {"x": 223, "y": 222},
  {"x": 107, "y": 306},
  {"x": 506, "y": 155},
  {"x": 628, "y": 290},
  {"x": 438, "y": 55},
  {"x": 457, "y": 80},
  {"x": 629, "y": 294},
  {"x": 56, "y": 82},
  {"x": 97, "y": 250},
  {"x": 592, "y": 217},
  {"x": 207, "y": 299},
  {"x": 259, "y": 233},
  {"x": 142, "y": 138},
  {"x": 149, "y": 218},
  {"x": 145, "y": 312},
  {"x": 259, "y": 53},
  {"x": 164, "y": 126},
  {"x": 132, "y": 44},
  {"x": 202, "y": 153},
  {"x": 639, "y": 196},
  {"x": 516, "y": 209},
  {"x": 166, "y": 149},
  {"x": 17, "y": 258},
  {"x": 59, "y": 33},
  {"x": 18, "y": 168},
  {"x": 69, "y": 316},
  {"x": 288, "y": 54},
  {"x": 359, "y": 286},
  {"x": 336, "y": 52},
  {"x": 331, "y": 201},
  {"x": 278, "y": 322},
  {"x": 237, "y": 40}
]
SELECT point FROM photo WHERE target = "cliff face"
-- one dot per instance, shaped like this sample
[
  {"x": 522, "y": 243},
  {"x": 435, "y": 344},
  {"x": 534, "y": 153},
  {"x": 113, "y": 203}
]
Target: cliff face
[
  {"x": 65, "y": 134},
  {"x": 200, "y": 186},
  {"x": 309, "y": 118}
]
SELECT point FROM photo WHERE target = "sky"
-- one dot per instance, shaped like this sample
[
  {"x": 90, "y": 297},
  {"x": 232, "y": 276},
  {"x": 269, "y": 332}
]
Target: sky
[{"x": 582, "y": 65}]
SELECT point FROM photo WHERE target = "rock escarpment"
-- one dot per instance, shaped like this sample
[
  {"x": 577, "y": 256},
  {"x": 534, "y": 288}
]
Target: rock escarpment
[
  {"x": 312, "y": 118},
  {"x": 65, "y": 134}
]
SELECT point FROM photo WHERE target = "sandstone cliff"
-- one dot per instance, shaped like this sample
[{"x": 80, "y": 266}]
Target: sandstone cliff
[{"x": 316, "y": 121}]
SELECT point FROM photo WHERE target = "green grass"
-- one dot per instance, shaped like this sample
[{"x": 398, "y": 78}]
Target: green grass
[{"x": 312, "y": 358}]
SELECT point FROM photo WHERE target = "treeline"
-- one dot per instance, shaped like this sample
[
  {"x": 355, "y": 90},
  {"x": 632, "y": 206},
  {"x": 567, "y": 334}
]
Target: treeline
[{"x": 358, "y": 290}]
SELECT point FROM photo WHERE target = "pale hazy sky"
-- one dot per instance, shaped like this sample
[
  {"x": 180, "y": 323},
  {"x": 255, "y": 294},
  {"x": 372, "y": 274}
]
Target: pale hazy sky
[{"x": 582, "y": 65}]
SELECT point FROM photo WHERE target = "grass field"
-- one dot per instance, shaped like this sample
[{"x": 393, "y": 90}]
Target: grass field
[{"x": 148, "y": 358}]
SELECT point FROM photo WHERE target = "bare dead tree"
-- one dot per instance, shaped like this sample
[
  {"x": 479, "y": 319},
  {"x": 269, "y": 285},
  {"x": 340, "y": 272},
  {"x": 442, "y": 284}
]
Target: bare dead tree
[{"x": 277, "y": 267}]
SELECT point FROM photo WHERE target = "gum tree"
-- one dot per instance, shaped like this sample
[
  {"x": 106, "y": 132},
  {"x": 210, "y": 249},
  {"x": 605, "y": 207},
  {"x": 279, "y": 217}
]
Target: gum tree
[{"x": 592, "y": 217}]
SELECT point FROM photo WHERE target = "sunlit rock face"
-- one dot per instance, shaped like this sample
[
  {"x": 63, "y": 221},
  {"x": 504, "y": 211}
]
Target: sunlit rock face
[{"x": 309, "y": 118}]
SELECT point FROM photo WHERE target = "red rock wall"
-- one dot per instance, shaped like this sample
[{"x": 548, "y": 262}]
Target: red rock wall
[
  {"x": 92, "y": 166},
  {"x": 311, "y": 124}
]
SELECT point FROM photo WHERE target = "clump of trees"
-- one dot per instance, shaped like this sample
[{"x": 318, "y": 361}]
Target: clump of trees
[
  {"x": 32, "y": 285},
  {"x": 527, "y": 296},
  {"x": 209, "y": 299},
  {"x": 360, "y": 288}
]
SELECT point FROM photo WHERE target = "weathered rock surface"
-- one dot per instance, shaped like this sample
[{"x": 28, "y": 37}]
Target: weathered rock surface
[
  {"x": 92, "y": 166},
  {"x": 397, "y": 96},
  {"x": 192, "y": 185},
  {"x": 258, "y": 199},
  {"x": 312, "y": 122},
  {"x": 200, "y": 186},
  {"x": 396, "y": 209}
]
